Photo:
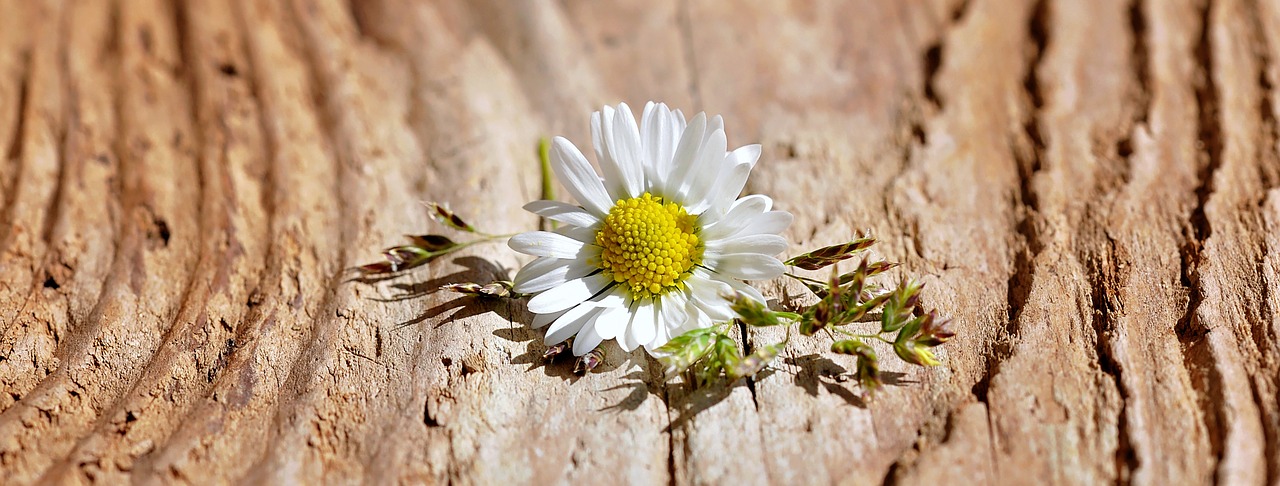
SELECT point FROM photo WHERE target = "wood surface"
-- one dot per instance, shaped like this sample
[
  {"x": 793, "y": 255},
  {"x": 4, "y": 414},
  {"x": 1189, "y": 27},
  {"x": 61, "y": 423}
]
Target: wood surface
[{"x": 1088, "y": 187}]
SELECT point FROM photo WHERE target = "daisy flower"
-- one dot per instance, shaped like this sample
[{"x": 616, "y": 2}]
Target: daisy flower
[{"x": 654, "y": 246}]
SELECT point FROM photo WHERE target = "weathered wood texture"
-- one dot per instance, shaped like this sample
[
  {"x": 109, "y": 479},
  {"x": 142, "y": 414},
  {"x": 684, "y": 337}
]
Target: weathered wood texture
[{"x": 1087, "y": 186}]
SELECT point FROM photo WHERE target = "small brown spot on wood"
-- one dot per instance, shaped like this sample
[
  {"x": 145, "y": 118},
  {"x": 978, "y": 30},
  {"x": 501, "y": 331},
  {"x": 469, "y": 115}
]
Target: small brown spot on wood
[{"x": 144, "y": 36}]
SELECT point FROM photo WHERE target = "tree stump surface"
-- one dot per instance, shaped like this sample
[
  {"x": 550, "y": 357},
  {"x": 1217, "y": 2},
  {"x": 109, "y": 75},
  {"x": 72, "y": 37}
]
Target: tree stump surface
[{"x": 1088, "y": 187}]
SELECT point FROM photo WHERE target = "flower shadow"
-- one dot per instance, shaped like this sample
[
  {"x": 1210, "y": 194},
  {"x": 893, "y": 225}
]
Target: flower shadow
[
  {"x": 640, "y": 391},
  {"x": 560, "y": 366}
]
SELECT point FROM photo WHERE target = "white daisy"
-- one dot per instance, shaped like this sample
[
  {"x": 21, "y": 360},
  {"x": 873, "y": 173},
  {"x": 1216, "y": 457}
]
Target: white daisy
[{"x": 657, "y": 242}]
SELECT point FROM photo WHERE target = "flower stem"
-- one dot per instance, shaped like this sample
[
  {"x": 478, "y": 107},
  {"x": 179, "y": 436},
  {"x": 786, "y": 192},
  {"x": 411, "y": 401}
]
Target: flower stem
[
  {"x": 804, "y": 279},
  {"x": 548, "y": 190},
  {"x": 878, "y": 337},
  {"x": 788, "y": 315}
]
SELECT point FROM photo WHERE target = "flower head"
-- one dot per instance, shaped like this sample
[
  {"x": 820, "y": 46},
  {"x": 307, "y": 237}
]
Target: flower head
[{"x": 655, "y": 245}]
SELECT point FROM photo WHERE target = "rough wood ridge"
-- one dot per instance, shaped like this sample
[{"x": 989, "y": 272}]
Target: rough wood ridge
[{"x": 1087, "y": 186}]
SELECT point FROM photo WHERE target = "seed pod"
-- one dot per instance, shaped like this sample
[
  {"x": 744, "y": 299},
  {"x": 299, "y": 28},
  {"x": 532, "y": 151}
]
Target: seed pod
[
  {"x": 447, "y": 217},
  {"x": 935, "y": 331},
  {"x": 684, "y": 350},
  {"x": 831, "y": 254},
  {"x": 498, "y": 289},
  {"x": 918, "y": 355},
  {"x": 752, "y": 312},
  {"x": 396, "y": 259},
  {"x": 431, "y": 243},
  {"x": 868, "y": 372},
  {"x": 756, "y": 361}
]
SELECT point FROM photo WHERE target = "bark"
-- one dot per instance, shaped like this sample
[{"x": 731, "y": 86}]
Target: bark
[{"x": 1088, "y": 188}]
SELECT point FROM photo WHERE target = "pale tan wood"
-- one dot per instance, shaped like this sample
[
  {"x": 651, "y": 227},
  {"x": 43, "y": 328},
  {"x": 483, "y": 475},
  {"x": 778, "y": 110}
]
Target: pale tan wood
[{"x": 1087, "y": 187}]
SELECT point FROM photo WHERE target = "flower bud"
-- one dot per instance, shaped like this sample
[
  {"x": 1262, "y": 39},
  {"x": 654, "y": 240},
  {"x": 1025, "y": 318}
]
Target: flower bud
[
  {"x": 752, "y": 312},
  {"x": 914, "y": 354},
  {"x": 447, "y": 217},
  {"x": 935, "y": 331},
  {"x": 555, "y": 350},
  {"x": 499, "y": 289},
  {"x": 831, "y": 254},
  {"x": 589, "y": 361}
]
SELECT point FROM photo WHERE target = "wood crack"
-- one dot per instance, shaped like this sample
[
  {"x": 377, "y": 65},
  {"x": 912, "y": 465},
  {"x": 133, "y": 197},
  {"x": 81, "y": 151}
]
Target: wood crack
[
  {"x": 54, "y": 209},
  {"x": 1191, "y": 332},
  {"x": 1028, "y": 153},
  {"x": 747, "y": 349},
  {"x": 1140, "y": 60},
  {"x": 1209, "y": 133},
  {"x": 933, "y": 62},
  {"x": 1081, "y": 146},
  {"x": 1105, "y": 275},
  {"x": 14, "y": 153}
]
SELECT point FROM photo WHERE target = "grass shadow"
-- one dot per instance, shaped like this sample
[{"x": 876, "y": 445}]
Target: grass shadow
[
  {"x": 641, "y": 389},
  {"x": 688, "y": 400},
  {"x": 462, "y": 306},
  {"x": 816, "y": 371}
]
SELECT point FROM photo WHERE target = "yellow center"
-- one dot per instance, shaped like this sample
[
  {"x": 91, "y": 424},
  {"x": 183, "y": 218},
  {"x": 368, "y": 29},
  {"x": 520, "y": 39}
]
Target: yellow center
[{"x": 649, "y": 246}]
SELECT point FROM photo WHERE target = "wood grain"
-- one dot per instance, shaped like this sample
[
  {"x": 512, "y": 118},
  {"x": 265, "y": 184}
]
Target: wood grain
[{"x": 1087, "y": 187}]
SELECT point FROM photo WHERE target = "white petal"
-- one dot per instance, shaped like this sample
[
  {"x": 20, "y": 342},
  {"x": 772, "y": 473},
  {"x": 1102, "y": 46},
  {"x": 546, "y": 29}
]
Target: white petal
[
  {"x": 686, "y": 155},
  {"x": 673, "y": 313},
  {"x": 570, "y": 323},
  {"x": 644, "y": 325},
  {"x": 651, "y": 121},
  {"x": 730, "y": 184},
  {"x": 545, "y": 272},
  {"x": 617, "y": 297},
  {"x": 612, "y": 322},
  {"x": 586, "y": 341},
  {"x": 659, "y": 132},
  {"x": 546, "y": 244},
  {"x": 678, "y": 122},
  {"x": 541, "y": 320},
  {"x": 612, "y": 179},
  {"x": 772, "y": 222},
  {"x": 627, "y": 342},
  {"x": 578, "y": 177},
  {"x": 707, "y": 294},
  {"x": 740, "y": 214},
  {"x": 569, "y": 294},
  {"x": 747, "y": 266},
  {"x": 626, "y": 150},
  {"x": 618, "y": 163},
  {"x": 563, "y": 212},
  {"x": 691, "y": 321},
  {"x": 611, "y": 329},
  {"x": 710, "y": 164},
  {"x": 747, "y": 290},
  {"x": 715, "y": 123},
  {"x": 585, "y": 235},
  {"x": 673, "y": 310},
  {"x": 762, "y": 244},
  {"x": 697, "y": 318},
  {"x": 662, "y": 337}
]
